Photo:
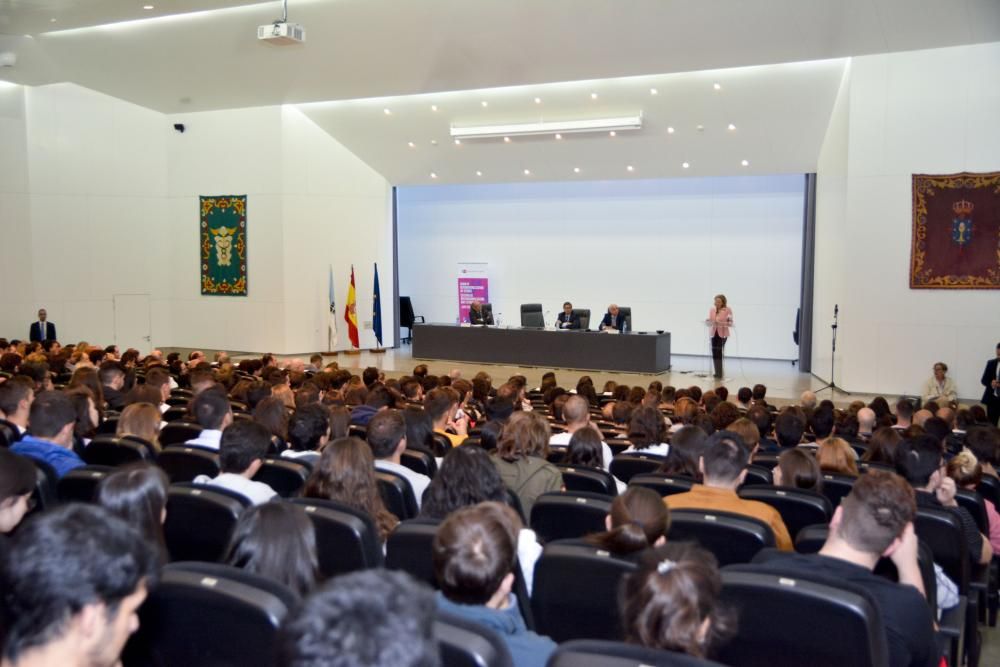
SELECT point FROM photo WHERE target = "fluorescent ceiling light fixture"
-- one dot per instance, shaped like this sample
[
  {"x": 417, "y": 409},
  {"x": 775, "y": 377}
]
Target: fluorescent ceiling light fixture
[{"x": 548, "y": 127}]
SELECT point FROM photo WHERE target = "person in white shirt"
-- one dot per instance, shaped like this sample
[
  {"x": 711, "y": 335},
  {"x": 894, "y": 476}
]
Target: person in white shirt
[
  {"x": 386, "y": 436},
  {"x": 241, "y": 454},
  {"x": 576, "y": 412},
  {"x": 308, "y": 433},
  {"x": 648, "y": 432},
  {"x": 213, "y": 413},
  {"x": 940, "y": 388}
]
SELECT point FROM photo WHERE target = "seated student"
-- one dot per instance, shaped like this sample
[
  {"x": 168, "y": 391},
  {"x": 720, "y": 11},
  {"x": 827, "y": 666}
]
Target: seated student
[
  {"x": 241, "y": 453},
  {"x": 213, "y": 413},
  {"x": 442, "y": 405},
  {"x": 50, "y": 438},
  {"x": 378, "y": 398},
  {"x": 73, "y": 581},
  {"x": 158, "y": 378},
  {"x": 723, "y": 467},
  {"x": 142, "y": 420},
  {"x": 920, "y": 461},
  {"x": 968, "y": 473},
  {"x": 798, "y": 469},
  {"x": 671, "y": 602},
  {"x": 882, "y": 446},
  {"x": 521, "y": 459},
  {"x": 875, "y": 520},
  {"x": 576, "y": 413},
  {"x": 788, "y": 428},
  {"x": 585, "y": 451},
  {"x": 17, "y": 482},
  {"x": 374, "y": 618},
  {"x": 638, "y": 521},
  {"x": 761, "y": 417},
  {"x": 15, "y": 403},
  {"x": 836, "y": 456},
  {"x": 475, "y": 550},
  {"x": 386, "y": 436},
  {"x": 112, "y": 377},
  {"x": 308, "y": 433},
  {"x": 277, "y": 541},
  {"x": 647, "y": 432},
  {"x": 138, "y": 495},
  {"x": 984, "y": 442},
  {"x": 687, "y": 445}
]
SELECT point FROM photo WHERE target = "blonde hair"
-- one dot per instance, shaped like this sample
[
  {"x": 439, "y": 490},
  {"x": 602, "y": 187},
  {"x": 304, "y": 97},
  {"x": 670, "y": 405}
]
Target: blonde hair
[
  {"x": 965, "y": 469},
  {"x": 141, "y": 420},
  {"x": 835, "y": 455}
]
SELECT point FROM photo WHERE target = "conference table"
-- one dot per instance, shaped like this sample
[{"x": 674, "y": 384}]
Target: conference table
[{"x": 633, "y": 352}]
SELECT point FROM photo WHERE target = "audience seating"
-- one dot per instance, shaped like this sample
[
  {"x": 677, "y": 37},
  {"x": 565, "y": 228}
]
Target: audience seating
[
  {"x": 798, "y": 508},
  {"x": 209, "y": 614},
  {"x": 565, "y": 514},
  {"x": 625, "y": 466},
  {"x": 175, "y": 401},
  {"x": 575, "y": 592},
  {"x": 358, "y": 431},
  {"x": 989, "y": 487},
  {"x": 397, "y": 494},
  {"x": 44, "y": 494},
  {"x": 757, "y": 476},
  {"x": 80, "y": 484},
  {"x": 420, "y": 461},
  {"x": 665, "y": 485},
  {"x": 591, "y": 480},
  {"x": 532, "y": 316},
  {"x": 821, "y": 624},
  {"x": 111, "y": 450},
  {"x": 836, "y": 487},
  {"x": 346, "y": 539},
  {"x": 176, "y": 412},
  {"x": 409, "y": 548},
  {"x": 177, "y": 433},
  {"x": 732, "y": 538},
  {"x": 183, "y": 464},
  {"x": 286, "y": 476},
  {"x": 200, "y": 520},
  {"x": 440, "y": 444},
  {"x": 595, "y": 653},
  {"x": 8, "y": 433},
  {"x": 515, "y": 504},
  {"x": 767, "y": 460},
  {"x": 976, "y": 506},
  {"x": 109, "y": 426},
  {"x": 463, "y": 643}
]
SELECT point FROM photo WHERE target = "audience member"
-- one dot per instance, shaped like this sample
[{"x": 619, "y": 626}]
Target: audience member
[
  {"x": 112, "y": 377},
  {"x": 576, "y": 413},
  {"x": 16, "y": 397},
  {"x": 968, "y": 473},
  {"x": 984, "y": 442},
  {"x": 788, "y": 429},
  {"x": 807, "y": 401},
  {"x": 52, "y": 419},
  {"x": 798, "y": 469},
  {"x": 308, "y": 433},
  {"x": 138, "y": 495},
  {"x": 387, "y": 437},
  {"x": 904, "y": 414},
  {"x": 277, "y": 541},
  {"x": 638, "y": 520},
  {"x": 521, "y": 459},
  {"x": 17, "y": 483},
  {"x": 241, "y": 454},
  {"x": 836, "y": 456},
  {"x": 882, "y": 446},
  {"x": 213, "y": 413},
  {"x": 866, "y": 423},
  {"x": 686, "y": 447},
  {"x": 442, "y": 405},
  {"x": 378, "y": 398},
  {"x": 647, "y": 431}
]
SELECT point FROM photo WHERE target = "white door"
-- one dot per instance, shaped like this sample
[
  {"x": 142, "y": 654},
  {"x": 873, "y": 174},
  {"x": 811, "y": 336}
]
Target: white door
[{"x": 132, "y": 322}]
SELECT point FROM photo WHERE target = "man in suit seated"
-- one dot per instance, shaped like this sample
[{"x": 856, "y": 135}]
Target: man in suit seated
[
  {"x": 42, "y": 330},
  {"x": 613, "y": 320},
  {"x": 478, "y": 314},
  {"x": 567, "y": 319}
]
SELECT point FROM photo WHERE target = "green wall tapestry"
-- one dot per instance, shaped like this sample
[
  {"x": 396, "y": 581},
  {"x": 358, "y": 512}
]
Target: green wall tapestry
[{"x": 224, "y": 245}]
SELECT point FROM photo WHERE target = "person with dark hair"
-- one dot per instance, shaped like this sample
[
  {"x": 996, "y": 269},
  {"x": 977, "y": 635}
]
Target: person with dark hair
[
  {"x": 112, "y": 377},
  {"x": 466, "y": 477},
  {"x": 758, "y": 394},
  {"x": 638, "y": 520},
  {"x": 723, "y": 467},
  {"x": 213, "y": 413},
  {"x": 73, "y": 581},
  {"x": 272, "y": 414},
  {"x": 761, "y": 418},
  {"x": 647, "y": 431},
  {"x": 821, "y": 423},
  {"x": 52, "y": 421},
  {"x": 378, "y": 398},
  {"x": 277, "y": 541},
  {"x": 882, "y": 446},
  {"x": 15, "y": 404},
  {"x": 474, "y": 552},
  {"x": 904, "y": 414},
  {"x": 87, "y": 418},
  {"x": 138, "y": 494},
  {"x": 686, "y": 447},
  {"x": 788, "y": 429},
  {"x": 798, "y": 469},
  {"x": 372, "y": 618},
  {"x": 158, "y": 378},
  {"x": 419, "y": 430},
  {"x": 671, "y": 602},
  {"x": 991, "y": 388},
  {"x": 308, "y": 433},
  {"x": 442, "y": 406},
  {"x": 521, "y": 459},
  {"x": 17, "y": 483},
  {"x": 744, "y": 396},
  {"x": 984, "y": 442},
  {"x": 242, "y": 450},
  {"x": 489, "y": 435},
  {"x": 576, "y": 414},
  {"x": 370, "y": 376},
  {"x": 920, "y": 461},
  {"x": 499, "y": 410},
  {"x": 42, "y": 330},
  {"x": 567, "y": 319},
  {"x": 386, "y": 436}
]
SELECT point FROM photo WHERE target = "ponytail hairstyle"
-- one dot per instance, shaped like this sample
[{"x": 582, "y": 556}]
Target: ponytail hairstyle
[{"x": 639, "y": 518}]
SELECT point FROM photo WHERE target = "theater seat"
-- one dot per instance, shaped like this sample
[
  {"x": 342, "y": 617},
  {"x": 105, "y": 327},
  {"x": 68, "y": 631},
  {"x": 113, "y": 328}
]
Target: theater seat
[
  {"x": 836, "y": 487},
  {"x": 286, "y": 476},
  {"x": 80, "y": 484},
  {"x": 176, "y": 413},
  {"x": 596, "y": 653},
  {"x": 798, "y": 508},
  {"x": 183, "y": 464},
  {"x": 590, "y": 480},
  {"x": 409, "y": 548},
  {"x": 625, "y": 466},
  {"x": 200, "y": 520},
  {"x": 665, "y": 485},
  {"x": 346, "y": 539},
  {"x": 757, "y": 476},
  {"x": 561, "y": 515},
  {"x": 112, "y": 450},
  {"x": 8, "y": 433},
  {"x": 532, "y": 316},
  {"x": 732, "y": 538},
  {"x": 397, "y": 494},
  {"x": 575, "y": 592},
  {"x": 108, "y": 427},
  {"x": 44, "y": 494},
  {"x": 463, "y": 643},
  {"x": 420, "y": 461},
  {"x": 209, "y": 614},
  {"x": 177, "y": 433}
]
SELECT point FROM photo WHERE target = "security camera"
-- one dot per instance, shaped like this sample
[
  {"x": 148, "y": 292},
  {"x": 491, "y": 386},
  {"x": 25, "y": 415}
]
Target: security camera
[{"x": 179, "y": 127}]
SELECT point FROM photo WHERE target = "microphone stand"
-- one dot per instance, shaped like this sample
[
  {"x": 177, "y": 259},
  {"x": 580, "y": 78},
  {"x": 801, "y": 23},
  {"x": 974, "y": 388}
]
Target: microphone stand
[{"x": 832, "y": 385}]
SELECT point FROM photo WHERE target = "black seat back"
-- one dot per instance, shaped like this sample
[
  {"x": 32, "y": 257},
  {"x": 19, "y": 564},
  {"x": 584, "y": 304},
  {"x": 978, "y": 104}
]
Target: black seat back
[
  {"x": 836, "y": 487},
  {"x": 209, "y": 614},
  {"x": 798, "y": 508},
  {"x": 80, "y": 484},
  {"x": 665, "y": 485},
  {"x": 975, "y": 504},
  {"x": 942, "y": 530},
  {"x": 346, "y": 539},
  {"x": 179, "y": 432},
  {"x": 200, "y": 521},
  {"x": 8, "y": 433},
  {"x": 397, "y": 494},
  {"x": 591, "y": 480},
  {"x": 176, "y": 412},
  {"x": 111, "y": 450},
  {"x": 46, "y": 479},
  {"x": 809, "y": 612},
  {"x": 561, "y": 515},
  {"x": 810, "y": 539},
  {"x": 286, "y": 476},
  {"x": 732, "y": 538},
  {"x": 596, "y": 653},
  {"x": 463, "y": 643},
  {"x": 183, "y": 464},
  {"x": 410, "y": 548},
  {"x": 767, "y": 460},
  {"x": 757, "y": 475},
  {"x": 575, "y": 592},
  {"x": 419, "y": 461},
  {"x": 531, "y": 315},
  {"x": 989, "y": 488},
  {"x": 440, "y": 444},
  {"x": 108, "y": 427},
  {"x": 626, "y": 466}
]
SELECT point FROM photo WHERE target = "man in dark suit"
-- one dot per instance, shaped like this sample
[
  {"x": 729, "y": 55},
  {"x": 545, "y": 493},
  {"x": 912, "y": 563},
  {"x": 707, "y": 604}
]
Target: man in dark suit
[
  {"x": 478, "y": 314},
  {"x": 42, "y": 330},
  {"x": 613, "y": 320},
  {"x": 567, "y": 319},
  {"x": 991, "y": 393}
]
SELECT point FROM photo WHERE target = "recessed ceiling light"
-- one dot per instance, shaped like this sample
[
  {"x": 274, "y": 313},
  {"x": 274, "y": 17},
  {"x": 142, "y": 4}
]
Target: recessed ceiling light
[
  {"x": 612, "y": 133},
  {"x": 717, "y": 86},
  {"x": 745, "y": 163},
  {"x": 434, "y": 107},
  {"x": 685, "y": 165},
  {"x": 593, "y": 96},
  {"x": 558, "y": 136},
  {"x": 433, "y": 175},
  {"x": 52, "y": 20},
  {"x": 387, "y": 111},
  {"x": 506, "y": 140},
  {"x": 731, "y": 127},
  {"x": 670, "y": 130},
  {"x": 527, "y": 172},
  {"x": 630, "y": 168},
  {"x": 479, "y": 173},
  {"x": 654, "y": 91},
  {"x": 700, "y": 128},
  {"x": 458, "y": 142},
  {"x": 538, "y": 100},
  {"x": 434, "y": 142},
  {"x": 485, "y": 103},
  {"x": 411, "y": 145},
  {"x": 148, "y": 7},
  {"x": 576, "y": 170}
]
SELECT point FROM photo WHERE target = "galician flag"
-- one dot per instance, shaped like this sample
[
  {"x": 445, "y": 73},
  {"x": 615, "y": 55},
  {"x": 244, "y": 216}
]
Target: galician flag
[
  {"x": 377, "y": 310},
  {"x": 331, "y": 332},
  {"x": 351, "y": 313}
]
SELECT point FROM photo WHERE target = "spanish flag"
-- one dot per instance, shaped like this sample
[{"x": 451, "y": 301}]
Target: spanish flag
[{"x": 351, "y": 313}]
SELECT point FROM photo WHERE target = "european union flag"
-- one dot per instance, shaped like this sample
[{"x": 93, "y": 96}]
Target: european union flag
[{"x": 377, "y": 310}]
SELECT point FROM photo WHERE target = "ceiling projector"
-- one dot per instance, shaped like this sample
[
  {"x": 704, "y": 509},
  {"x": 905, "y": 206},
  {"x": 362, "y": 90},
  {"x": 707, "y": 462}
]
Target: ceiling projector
[{"x": 281, "y": 32}]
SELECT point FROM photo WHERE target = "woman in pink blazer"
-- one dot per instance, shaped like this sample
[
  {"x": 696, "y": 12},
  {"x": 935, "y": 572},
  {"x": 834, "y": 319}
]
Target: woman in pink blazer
[{"x": 720, "y": 316}]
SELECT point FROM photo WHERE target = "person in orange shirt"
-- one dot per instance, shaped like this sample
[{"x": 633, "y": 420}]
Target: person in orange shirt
[{"x": 723, "y": 466}]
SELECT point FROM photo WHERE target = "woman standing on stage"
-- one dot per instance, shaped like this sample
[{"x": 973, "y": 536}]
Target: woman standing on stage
[{"x": 720, "y": 317}]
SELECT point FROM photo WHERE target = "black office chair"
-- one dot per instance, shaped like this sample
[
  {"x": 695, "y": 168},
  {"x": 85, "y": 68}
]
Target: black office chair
[
  {"x": 625, "y": 466},
  {"x": 665, "y": 485},
  {"x": 286, "y": 476},
  {"x": 798, "y": 508},
  {"x": 183, "y": 464},
  {"x": 532, "y": 315},
  {"x": 568, "y": 514},
  {"x": 409, "y": 548},
  {"x": 575, "y": 592},
  {"x": 584, "y": 315},
  {"x": 808, "y": 611},
  {"x": 358, "y": 431},
  {"x": 111, "y": 450},
  {"x": 487, "y": 309},
  {"x": 80, "y": 484},
  {"x": 200, "y": 520},
  {"x": 590, "y": 480},
  {"x": 210, "y": 614},
  {"x": 596, "y": 653},
  {"x": 463, "y": 643},
  {"x": 836, "y": 487},
  {"x": 420, "y": 461},
  {"x": 626, "y": 312},
  {"x": 732, "y": 538},
  {"x": 407, "y": 319},
  {"x": 346, "y": 538},
  {"x": 177, "y": 433},
  {"x": 810, "y": 539},
  {"x": 397, "y": 494}
]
